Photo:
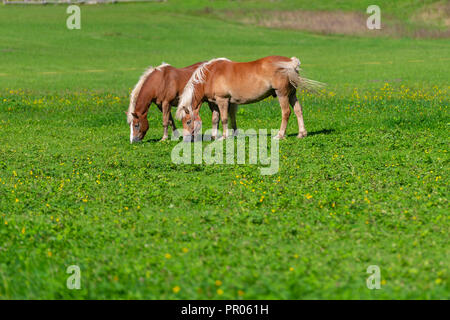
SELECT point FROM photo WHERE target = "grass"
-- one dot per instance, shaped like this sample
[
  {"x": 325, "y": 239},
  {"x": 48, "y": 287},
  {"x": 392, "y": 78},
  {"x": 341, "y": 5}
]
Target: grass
[{"x": 369, "y": 186}]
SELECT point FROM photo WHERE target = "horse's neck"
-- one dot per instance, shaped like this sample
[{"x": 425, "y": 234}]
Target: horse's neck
[
  {"x": 145, "y": 98},
  {"x": 198, "y": 96}
]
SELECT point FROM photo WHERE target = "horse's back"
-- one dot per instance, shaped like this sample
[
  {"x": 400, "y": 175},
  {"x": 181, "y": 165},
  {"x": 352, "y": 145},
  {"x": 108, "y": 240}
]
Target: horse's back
[
  {"x": 263, "y": 66},
  {"x": 269, "y": 60},
  {"x": 247, "y": 82},
  {"x": 175, "y": 80},
  {"x": 193, "y": 67}
]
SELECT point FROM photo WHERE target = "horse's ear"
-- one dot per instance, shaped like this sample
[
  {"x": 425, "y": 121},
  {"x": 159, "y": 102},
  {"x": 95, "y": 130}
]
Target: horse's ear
[{"x": 134, "y": 115}]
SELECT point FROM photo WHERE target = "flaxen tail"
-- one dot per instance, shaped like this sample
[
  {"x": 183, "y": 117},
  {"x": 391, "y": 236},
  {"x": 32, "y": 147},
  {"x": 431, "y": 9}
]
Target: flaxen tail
[{"x": 292, "y": 69}]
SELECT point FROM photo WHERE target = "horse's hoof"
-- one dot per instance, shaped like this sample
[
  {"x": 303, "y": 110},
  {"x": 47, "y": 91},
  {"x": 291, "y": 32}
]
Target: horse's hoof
[
  {"x": 278, "y": 137},
  {"x": 164, "y": 139},
  {"x": 302, "y": 135}
]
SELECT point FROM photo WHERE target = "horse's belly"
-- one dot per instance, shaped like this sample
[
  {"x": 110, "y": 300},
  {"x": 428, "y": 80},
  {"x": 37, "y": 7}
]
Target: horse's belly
[
  {"x": 251, "y": 97},
  {"x": 250, "y": 93}
]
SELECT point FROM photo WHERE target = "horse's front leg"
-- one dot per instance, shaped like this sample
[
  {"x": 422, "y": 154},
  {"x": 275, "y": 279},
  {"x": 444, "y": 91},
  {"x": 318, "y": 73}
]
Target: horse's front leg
[
  {"x": 285, "y": 113},
  {"x": 174, "y": 128},
  {"x": 223, "y": 109},
  {"x": 299, "y": 113},
  {"x": 215, "y": 120},
  {"x": 166, "y": 116}
]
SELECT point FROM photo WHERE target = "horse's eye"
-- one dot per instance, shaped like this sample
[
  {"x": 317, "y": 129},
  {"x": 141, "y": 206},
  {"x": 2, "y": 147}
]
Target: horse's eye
[
  {"x": 188, "y": 122},
  {"x": 136, "y": 125}
]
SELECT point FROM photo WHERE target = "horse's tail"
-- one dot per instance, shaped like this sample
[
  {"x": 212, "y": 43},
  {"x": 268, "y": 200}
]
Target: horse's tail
[
  {"x": 292, "y": 69},
  {"x": 185, "y": 102}
]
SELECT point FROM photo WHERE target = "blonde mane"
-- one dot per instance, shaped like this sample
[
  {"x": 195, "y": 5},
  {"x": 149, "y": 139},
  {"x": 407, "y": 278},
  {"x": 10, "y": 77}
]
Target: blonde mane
[
  {"x": 188, "y": 93},
  {"x": 137, "y": 89}
]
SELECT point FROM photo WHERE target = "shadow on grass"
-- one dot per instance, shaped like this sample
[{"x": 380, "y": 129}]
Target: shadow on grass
[
  {"x": 153, "y": 140},
  {"x": 208, "y": 138},
  {"x": 314, "y": 133}
]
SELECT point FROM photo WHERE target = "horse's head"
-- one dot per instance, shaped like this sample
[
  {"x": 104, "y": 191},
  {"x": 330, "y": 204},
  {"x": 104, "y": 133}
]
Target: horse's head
[
  {"x": 138, "y": 126},
  {"x": 192, "y": 124}
]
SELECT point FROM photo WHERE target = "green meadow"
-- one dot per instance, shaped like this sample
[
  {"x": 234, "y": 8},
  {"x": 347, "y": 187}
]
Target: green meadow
[{"x": 367, "y": 186}]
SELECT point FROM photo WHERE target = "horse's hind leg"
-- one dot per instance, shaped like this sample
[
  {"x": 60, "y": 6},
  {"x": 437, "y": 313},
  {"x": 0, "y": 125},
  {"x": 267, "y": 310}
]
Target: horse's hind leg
[
  {"x": 299, "y": 113},
  {"x": 285, "y": 113},
  {"x": 233, "y": 110},
  {"x": 215, "y": 120}
]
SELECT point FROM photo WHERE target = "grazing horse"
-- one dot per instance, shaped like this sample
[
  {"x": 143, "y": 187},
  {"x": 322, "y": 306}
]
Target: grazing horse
[
  {"x": 228, "y": 84},
  {"x": 161, "y": 85}
]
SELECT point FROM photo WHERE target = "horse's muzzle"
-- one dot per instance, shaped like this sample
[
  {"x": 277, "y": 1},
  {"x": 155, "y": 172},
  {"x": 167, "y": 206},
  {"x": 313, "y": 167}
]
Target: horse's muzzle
[
  {"x": 136, "y": 139},
  {"x": 188, "y": 138}
]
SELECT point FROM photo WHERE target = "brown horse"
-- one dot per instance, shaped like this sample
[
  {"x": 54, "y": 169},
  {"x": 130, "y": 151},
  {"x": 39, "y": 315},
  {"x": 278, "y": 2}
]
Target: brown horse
[
  {"x": 228, "y": 84},
  {"x": 161, "y": 85}
]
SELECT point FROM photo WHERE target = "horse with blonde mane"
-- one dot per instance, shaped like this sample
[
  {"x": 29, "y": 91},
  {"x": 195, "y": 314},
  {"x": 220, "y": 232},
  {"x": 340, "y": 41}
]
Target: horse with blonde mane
[
  {"x": 228, "y": 84},
  {"x": 161, "y": 85}
]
